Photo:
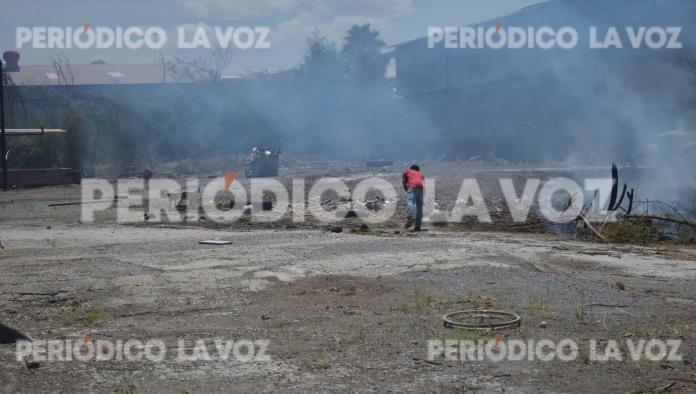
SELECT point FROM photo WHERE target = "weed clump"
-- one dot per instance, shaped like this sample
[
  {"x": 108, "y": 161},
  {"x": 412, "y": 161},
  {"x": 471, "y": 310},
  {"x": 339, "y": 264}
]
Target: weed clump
[{"x": 632, "y": 232}]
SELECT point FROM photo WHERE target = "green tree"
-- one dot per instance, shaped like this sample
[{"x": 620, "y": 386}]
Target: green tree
[
  {"x": 362, "y": 54},
  {"x": 321, "y": 60}
]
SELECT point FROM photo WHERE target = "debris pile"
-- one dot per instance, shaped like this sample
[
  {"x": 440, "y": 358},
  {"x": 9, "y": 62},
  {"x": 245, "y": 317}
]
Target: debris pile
[
  {"x": 263, "y": 162},
  {"x": 374, "y": 204},
  {"x": 622, "y": 225},
  {"x": 332, "y": 205}
]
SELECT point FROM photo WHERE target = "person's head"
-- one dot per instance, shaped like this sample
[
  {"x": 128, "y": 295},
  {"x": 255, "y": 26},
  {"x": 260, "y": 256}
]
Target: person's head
[{"x": 415, "y": 168}]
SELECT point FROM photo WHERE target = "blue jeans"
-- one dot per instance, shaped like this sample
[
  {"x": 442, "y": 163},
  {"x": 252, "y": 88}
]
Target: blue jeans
[{"x": 415, "y": 202}]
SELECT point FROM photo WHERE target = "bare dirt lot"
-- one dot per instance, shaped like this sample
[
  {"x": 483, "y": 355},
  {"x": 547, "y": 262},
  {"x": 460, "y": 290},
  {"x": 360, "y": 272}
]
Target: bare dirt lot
[{"x": 343, "y": 312}]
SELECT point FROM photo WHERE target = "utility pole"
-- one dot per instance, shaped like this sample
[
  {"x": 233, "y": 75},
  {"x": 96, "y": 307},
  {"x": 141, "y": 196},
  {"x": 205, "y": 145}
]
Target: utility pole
[{"x": 3, "y": 140}]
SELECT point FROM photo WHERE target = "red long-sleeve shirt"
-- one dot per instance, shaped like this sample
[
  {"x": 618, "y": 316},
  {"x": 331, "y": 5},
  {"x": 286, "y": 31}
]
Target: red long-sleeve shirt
[{"x": 413, "y": 179}]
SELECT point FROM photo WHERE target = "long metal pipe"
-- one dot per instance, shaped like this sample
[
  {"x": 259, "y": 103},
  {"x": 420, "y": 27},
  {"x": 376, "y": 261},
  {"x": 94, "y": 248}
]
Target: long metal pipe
[{"x": 29, "y": 132}]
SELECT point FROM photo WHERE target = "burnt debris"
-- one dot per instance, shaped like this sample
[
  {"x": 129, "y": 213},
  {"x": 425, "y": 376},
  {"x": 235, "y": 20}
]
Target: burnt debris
[{"x": 613, "y": 204}]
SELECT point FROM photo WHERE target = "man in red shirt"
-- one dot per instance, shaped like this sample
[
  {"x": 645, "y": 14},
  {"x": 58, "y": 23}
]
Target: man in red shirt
[{"x": 414, "y": 184}]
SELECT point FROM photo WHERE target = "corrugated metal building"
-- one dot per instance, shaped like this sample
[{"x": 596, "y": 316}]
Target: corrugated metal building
[
  {"x": 535, "y": 104},
  {"x": 423, "y": 70}
]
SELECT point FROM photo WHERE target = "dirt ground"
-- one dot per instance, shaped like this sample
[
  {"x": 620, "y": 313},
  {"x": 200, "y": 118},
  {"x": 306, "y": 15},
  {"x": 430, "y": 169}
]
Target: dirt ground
[{"x": 343, "y": 312}]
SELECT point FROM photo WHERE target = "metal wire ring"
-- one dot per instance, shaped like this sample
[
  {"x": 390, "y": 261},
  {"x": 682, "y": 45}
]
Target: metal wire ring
[{"x": 513, "y": 322}]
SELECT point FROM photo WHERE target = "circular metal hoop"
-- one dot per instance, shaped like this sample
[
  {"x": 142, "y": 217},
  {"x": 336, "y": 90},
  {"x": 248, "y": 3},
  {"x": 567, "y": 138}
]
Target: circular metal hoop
[{"x": 454, "y": 320}]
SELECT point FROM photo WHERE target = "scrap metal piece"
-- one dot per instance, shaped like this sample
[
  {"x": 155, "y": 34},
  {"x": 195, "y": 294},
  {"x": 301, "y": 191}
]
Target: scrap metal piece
[
  {"x": 215, "y": 242},
  {"x": 263, "y": 162}
]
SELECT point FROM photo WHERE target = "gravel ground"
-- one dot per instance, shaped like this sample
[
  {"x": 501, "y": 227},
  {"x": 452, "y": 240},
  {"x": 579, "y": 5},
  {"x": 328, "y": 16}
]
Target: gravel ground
[{"x": 341, "y": 311}]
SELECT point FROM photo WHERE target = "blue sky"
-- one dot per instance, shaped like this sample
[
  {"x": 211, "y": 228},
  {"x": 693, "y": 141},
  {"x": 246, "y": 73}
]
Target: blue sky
[{"x": 290, "y": 22}]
